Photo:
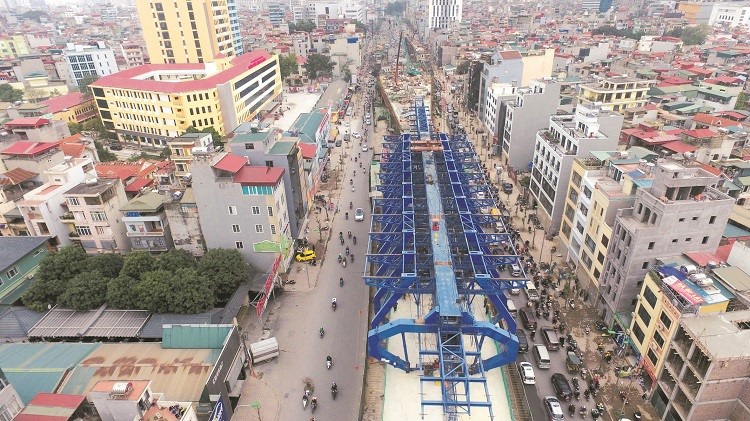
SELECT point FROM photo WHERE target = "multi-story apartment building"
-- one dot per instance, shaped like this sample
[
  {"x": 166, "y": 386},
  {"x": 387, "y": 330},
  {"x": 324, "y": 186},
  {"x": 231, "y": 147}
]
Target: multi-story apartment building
[
  {"x": 502, "y": 67},
  {"x": 669, "y": 292},
  {"x": 37, "y": 129},
  {"x": 706, "y": 370},
  {"x": 444, "y": 14},
  {"x": 730, "y": 14},
  {"x": 146, "y": 223},
  {"x": 10, "y": 403},
  {"x": 276, "y": 13},
  {"x": 243, "y": 207},
  {"x": 616, "y": 93},
  {"x": 74, "y": 107},
  {"x": 271, "y": 150},
  {"x": 599, "y": 185},
  {"x": 720, "y": 92},
  {"x": 13, "y": 46},
  {"x": 14, "y": 184},
  {"x": 152, "y": 103},
  {"x": 181, "y": 150},
  {"x": 133, "y": 55},
  {"x": 567, "y": 137},
  {"x": 89, "y": 60},
  {"x": 184, "y": 223},
  {"x": 35, "y": 157},
  {"x": 679, "y": 212},
  {"x": 194, "y": 31},
  {"x": 492, "y": 118},
  {"x": 528, "y": 113},
  {"x": 94, "y": 211},
  {"x": 43, "y": 209}
]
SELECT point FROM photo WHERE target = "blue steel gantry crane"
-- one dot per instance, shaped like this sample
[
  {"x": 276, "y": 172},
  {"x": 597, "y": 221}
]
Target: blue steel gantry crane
[{"x": 430, "y": 238}]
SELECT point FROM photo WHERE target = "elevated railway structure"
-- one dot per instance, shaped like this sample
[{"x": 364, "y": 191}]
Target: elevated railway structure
[{"x": 434, "y": 236}]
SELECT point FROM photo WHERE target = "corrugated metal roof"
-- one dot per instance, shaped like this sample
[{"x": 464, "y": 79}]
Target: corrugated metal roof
[
  {"x": 39, "y": 367},
  {"x": 153, "y": 327},
  {"x": 184, "y": 336},
  {"x": 181, "y": 374},
  {"x": 101, "y": 323}
]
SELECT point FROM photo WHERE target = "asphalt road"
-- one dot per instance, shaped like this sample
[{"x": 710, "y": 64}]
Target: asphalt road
[{"x": 303, "y": 314}]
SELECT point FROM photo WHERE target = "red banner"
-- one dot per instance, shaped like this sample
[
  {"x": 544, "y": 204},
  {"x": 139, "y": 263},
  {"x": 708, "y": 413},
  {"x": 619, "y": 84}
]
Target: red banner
[
  {"x": 685, "y": 291},
  {"x": 268, "y": 287}
]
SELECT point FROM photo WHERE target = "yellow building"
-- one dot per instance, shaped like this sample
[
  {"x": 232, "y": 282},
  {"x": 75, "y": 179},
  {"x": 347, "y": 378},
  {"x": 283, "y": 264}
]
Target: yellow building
[
  {"x": 13, "y": 46},
  {"x": 74, "y": 107},
  {"x": 537, "y": 64},
  {"x": 37, "y": 87},
  {"x": 152, "y": 103},
  {"x": 188, "y": 31},
  {"x": 668, "y": 292},
  {"x": 617, "y": 92}
]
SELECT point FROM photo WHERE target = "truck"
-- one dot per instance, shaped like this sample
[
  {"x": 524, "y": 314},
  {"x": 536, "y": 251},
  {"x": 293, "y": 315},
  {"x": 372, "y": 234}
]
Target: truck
[{"x": 263, "y": 350}]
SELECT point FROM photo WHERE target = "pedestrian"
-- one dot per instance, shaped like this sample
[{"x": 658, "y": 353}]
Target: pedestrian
[{"x": 395, "y": 306}]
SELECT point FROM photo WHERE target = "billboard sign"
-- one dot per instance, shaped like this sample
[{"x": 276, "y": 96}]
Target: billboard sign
[
  {"x": 219, "y": 414},
  {"x": 268, "y": 287}
]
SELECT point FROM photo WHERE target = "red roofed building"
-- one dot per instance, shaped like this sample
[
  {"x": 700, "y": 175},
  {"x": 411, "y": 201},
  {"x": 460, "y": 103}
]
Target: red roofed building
[
  {"x": 244, "y": 207},
  {"x": 54, "y": 407},
  {"x": 37, "y": 129},
  {"x": 222, "y": 94},
  {"x": 708, "y": 121},
  {"x": 74, "y": 107}
]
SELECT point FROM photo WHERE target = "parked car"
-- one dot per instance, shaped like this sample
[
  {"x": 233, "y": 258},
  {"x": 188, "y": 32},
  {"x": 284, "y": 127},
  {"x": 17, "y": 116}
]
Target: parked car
[
  {"x": 356, "y": 135},
  {"x": 549, "y": 335},
  {"x": 359, "y": 214},
  {"x": 526, "y": 370},
  {"x": 338, "y": 142},
  {"x": 304, "y": 256},
  {"x": 365, "y": 148},
  {"x": 554, "y": 409},
  {"x": 527, "y": 318},
  {"x": 507, "y": 188},
  {"x": 561, "y": 386},
  {"x": 115, "y": 146}
]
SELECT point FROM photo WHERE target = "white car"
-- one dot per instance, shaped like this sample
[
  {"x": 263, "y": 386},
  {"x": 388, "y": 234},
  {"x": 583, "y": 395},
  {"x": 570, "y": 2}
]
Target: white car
[
  {"x": 359, "y": 214},
  {"x": 356, "y": 135},
  {"x": 526, "y": 370},
  {"x": 365, "y": 148},
  {"x": 346, "y": 123}
]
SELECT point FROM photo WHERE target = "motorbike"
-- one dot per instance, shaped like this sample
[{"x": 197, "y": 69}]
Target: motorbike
[
  {"x": 343, "y": 263},
  {"x": 571, "y": 409},
  {"x": 290, "y": 282},
  {"x": 341, "y": 282},
  {"x": 347, "y": 250},
  {"x": 314, "y": 403},
  {"x": 342, "y": 241},
  {"x": 304, "y": 402},
  {"x": 354, "y": 240},
  {"x": 575, "y": 384},
  {"x": 333, "y": 304},
  {"x": 340, "y": 258},
  {"x": 329, "y": 363},
  {"x": 582, "y": 412},
  {"x": 334, "y": 392},
  {"x": 351, "y": 205},
  {"x": 349, "y": 235},
  {"x": 346, "y": 216},
  {"x": 321, "y": 333},
  {"x": 352, "y": 257}
]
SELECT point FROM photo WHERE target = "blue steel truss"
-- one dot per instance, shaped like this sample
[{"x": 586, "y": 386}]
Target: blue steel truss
[{"x": 436, "y": 234}]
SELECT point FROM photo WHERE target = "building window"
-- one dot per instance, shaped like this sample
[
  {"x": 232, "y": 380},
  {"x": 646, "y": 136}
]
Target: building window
[
  {"x": 238, "y": 245},
  {"x": 73, "y": 201},
  {"x": 643, "y": 315},
  {"x": 659, "y": 339},
  {"x": 665, "y": 320},
  {"x": 256, "y": 210},
  {"x": 235, "y": 228},
  {"x": 651, "y": 245},
  {"x": 12, "y": 272},
  {"x": 650, "y": 297},
  {"x": 705, "y": 240},
  {"x": 98, "y": 216},
  {"x": 249, "y": 146},
  {"x": 258, "y": 228},
  {"x": 652, "y": 357},
  {"x": 712, "y": 219},
  {"x": 270, "y": 211},
  {"x": 605, "y": 241},
  {"x": 273, "y": 229},
  {"x": 644, "y": 265},
  {"x": 83, "y": 230},
  {"x": 638, "y": 333},
  {"x": 232, "y": 210}
]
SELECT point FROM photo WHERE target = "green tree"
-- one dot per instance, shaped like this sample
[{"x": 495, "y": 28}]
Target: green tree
[
  {"x": 10, "y": 94},
  {"x": 215, "y": 136},
  {"x": 108, "y": 264},
  {"x": 695, "y": 35},
  {"x": 137, "y": 263},
  {"x": 742, "y": 99},
  {"x": 318, "y": 65},
  {"x": 304, "y": 25},
  {"x": 191, "y": 292},
  {"x": 83, "y": 85},
  {"x": 65, "y": 264},
  {"x": 36, "y": 95},
  {"x": 359, "y": 26},
  {"x": 104, "y": 154},
  {"x": 225, "y": 271},
  {"x": 121, "y": 293},
  {"x": 176, "y": 259},
  {"x": 86, "y": 291},
  {"x": 35, "y": 15},
  {"x": 153, "y": 291},
  {"x": 43, "y": 294},
  {"x": 96, "y": 128},
  {"x": 288, "y": 65},
  {"x": 347, "y": 75},
  {"x": 463, "y": 67},
  {"x": 74, "y": 128}
]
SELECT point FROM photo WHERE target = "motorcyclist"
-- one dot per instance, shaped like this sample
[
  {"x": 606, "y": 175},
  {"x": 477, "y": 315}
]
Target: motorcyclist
[
  {"x": 354, "y": 239},
  {"x": 333, "y": 302},
  {"x": 321, "y": 331},
  {"x": 347, "y": 250},
  {"x": 352, "y": 256},
  {"x": 351, "y": 180},
  {"x": 329, "y": 359},
  {"x": 334, "y": 387},
  {"x": 346, "y": 216},
  {"x": 349, "y": 234},
  {"x": 351, "y": 205},
  {"x": 341, "y": 281}
]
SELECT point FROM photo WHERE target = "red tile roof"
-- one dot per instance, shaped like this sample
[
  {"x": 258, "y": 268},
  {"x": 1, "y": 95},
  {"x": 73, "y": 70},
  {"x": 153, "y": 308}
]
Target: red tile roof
[
  {"x": 138, "y": 184},
  {"x": 73, "y": 146},
  {"x": 27, "y": 121},
  {"x": 124, "y": 170},
  {"x": 16, "y": 176},
  {"x": 308, "y": 150},
  {"x": 25, "y": 148},
  {"x": 58, "y": 400},
  {"x": 700, "y": 71},
  {"x": 62, "y": 102},
  {"x": 711, "y": 120},
  {"x": 700, "y": 133},
  {"x": 258, "y": 176},
  {"x": 230, "y": 163},
  {"x": 679, "y": 147},
  {"x": 128, "y": 79},
  {"x": 510, "y": 55}
]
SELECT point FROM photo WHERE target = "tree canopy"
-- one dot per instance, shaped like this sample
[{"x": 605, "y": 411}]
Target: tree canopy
[
  {"x": 172, "y": 282},
  {"x": 611, "y": 30},
  {"x": 395, "y": 8},
  {"x": 289, "y": 65},
  {"x": 215, "y": 136},
  {"x": 691, "y": 35},
  {"x": 83, "y": 85},
  {"x": 104, "y": 154},
  {"x": 302, "y": 26},
  {"x": 318, "y": 65},
  {"x": 9, "y": 93}
]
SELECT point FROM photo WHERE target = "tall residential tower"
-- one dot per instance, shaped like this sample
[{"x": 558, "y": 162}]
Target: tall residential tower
[
  {"x": 444, "y": 14},
  {"x": 189, "y": 31}
]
